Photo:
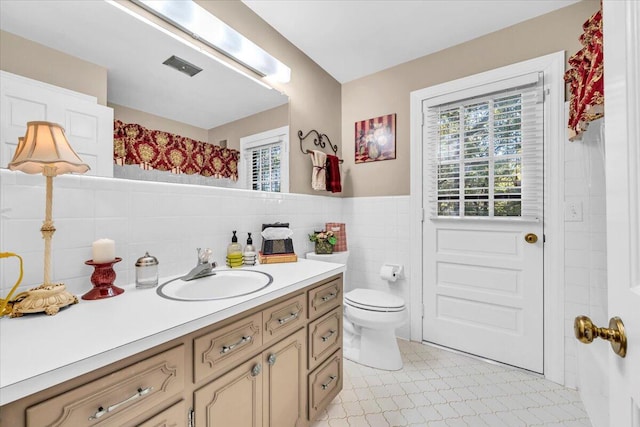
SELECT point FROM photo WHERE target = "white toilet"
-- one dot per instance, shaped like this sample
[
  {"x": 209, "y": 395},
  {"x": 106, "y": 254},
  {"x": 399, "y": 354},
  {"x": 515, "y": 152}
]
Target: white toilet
[{"x": 370, "y": 320}]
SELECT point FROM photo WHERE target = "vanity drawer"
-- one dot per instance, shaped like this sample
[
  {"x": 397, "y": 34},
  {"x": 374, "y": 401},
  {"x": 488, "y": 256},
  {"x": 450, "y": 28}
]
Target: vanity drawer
[
  {"x": 224, "y": 346},
  {"x": 174, "y": 416},
  {"x": 325, "y": 297},
  {"x": 324, "y": 384},
  {"x": 115, "y": 398},
  {"x": 325, "y": 336},
  {"x": 283, "y": 318}
]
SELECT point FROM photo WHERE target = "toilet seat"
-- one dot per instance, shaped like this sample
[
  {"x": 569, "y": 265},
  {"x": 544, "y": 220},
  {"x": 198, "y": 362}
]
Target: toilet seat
[{"x": 372, "y": 300}]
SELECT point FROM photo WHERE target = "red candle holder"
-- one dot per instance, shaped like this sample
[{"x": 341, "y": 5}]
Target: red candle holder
[{"x": 102, "y": 279}]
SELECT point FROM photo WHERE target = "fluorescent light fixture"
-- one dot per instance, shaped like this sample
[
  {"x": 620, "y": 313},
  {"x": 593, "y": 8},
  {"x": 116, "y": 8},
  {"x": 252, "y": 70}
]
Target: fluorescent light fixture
[
  {"x": 203, "y": 26},
  {"x": 183, "y": 41}
]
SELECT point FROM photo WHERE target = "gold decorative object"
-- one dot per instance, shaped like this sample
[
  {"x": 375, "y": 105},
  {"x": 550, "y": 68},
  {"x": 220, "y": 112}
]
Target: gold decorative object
[
  {"x": 45, "y": 149},
  {"x": 48, "y": 298}
]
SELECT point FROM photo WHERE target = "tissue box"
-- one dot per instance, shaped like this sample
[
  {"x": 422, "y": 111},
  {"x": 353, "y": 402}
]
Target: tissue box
[
  {"x": 279, "y": 246},
  {"x": 339, "y": 230}
]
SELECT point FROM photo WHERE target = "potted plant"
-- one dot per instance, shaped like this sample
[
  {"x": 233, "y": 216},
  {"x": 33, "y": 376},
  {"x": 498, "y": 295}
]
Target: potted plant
[{"x": 324, "y": 241}]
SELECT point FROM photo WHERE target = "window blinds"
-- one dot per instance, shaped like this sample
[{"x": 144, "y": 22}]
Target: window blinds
[
  {"x": 485, "y": 153},
  {"x": 265, "y": 167}
]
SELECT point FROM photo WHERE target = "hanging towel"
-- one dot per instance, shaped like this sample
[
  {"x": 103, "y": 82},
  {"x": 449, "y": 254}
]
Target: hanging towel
[
  {"x": 318, "y": 175},
  {"x": 333, "y": 174}
]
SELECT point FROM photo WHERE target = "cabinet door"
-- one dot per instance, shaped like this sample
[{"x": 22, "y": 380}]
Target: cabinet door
[
  {"x": 234, "y": 399},
  {"x": 284, "y": 382}
]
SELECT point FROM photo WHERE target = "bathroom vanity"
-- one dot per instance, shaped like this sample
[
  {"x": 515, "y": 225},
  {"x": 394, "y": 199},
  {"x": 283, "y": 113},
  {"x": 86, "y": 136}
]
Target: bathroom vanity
[{"x": 272, "y": 358}]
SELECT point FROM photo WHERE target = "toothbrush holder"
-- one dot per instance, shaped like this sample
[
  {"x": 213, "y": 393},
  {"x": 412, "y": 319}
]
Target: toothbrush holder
[{"x": 102, "y": 279}]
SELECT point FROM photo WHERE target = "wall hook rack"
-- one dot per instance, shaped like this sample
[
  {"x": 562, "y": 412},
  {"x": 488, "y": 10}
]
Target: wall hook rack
[{"x": 319, "y": 140}]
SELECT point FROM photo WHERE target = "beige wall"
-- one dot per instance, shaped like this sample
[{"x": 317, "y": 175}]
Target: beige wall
[
  {"x": 389, "y": 91},
  {"x": 314, "y": 96},
  {"x": 153, "y": 122},
  {"x": 26, "y": 58},
  {"x": 266, "y": 120}
]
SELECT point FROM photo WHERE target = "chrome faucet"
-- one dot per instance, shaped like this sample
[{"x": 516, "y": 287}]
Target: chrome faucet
[{"x": 204, "y": 267}]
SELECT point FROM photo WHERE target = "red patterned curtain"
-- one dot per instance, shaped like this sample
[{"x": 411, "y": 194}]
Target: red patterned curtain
[
  {"x": 585, "y": 78},
  {"x": 153, "y": 149}
]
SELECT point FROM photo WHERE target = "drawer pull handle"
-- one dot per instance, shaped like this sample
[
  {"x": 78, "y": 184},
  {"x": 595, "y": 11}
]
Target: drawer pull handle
[
  {"x": 255, "y": 371},
  {"x": 227, "y": 348},
  {"x": 332, "y": 295},
  {"x": 329, "y": 335},
  {"x": 272, "y": 359},
  {"x": 288, "y": 318},
  {"x": 331, "y": 378},
  {"x": 101, "y": 411}
]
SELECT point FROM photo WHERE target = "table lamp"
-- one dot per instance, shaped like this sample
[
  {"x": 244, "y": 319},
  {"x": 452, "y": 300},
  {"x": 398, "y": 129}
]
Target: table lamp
[{"x": 45, "y": 149}]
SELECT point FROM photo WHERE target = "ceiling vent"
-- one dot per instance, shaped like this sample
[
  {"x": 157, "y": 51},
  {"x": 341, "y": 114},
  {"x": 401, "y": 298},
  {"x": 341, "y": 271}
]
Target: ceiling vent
[{"x": 182, "y": 66}]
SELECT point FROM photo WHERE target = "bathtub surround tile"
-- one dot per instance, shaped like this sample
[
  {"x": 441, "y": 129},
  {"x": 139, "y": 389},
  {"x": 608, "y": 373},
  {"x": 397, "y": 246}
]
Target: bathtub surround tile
[{"x": 505, "y": 397}]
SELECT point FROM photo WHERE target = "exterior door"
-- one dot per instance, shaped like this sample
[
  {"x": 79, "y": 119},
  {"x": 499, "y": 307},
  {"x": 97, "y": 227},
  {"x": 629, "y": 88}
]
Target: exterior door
[
  {"x": 622, "y": 145},
  {"x": 483, "y": 236}
]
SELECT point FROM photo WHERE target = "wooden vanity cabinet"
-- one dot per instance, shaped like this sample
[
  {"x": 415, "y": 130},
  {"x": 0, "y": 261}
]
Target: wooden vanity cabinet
[{"x": 277, "y": 365}]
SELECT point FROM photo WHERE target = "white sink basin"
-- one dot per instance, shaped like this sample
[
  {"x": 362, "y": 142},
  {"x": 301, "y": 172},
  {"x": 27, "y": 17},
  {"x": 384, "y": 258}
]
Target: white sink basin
[{"x": 223, "y": 284}]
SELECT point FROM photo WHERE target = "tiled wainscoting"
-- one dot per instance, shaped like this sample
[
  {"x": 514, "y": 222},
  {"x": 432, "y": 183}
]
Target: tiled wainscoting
[
  {"x": 169, "y": 221},
  {"x": 586, "y": 266}
]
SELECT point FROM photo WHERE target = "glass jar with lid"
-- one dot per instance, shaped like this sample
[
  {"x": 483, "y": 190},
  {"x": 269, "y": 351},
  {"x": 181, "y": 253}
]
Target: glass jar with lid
[{"x": 146, "y": 271}]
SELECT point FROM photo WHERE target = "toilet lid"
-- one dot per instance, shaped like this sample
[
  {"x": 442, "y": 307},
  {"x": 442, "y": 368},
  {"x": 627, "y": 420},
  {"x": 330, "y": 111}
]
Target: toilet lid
[{"x": 370, "y": 299}]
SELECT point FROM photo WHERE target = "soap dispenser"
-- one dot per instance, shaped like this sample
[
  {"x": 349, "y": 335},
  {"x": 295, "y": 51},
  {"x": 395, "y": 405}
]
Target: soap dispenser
[
  {"x": 249, "y": 254},
  {"x": 234, "y": 252}
]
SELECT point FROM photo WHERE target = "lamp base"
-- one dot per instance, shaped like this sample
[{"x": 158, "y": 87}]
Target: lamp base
[
  {"x": 102, "y": 279},
  {"x": 48, "y": 298}
]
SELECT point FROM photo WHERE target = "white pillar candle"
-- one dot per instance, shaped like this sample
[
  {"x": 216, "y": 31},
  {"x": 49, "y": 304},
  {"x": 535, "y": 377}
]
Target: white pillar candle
[{"x": 104, "y": 250}]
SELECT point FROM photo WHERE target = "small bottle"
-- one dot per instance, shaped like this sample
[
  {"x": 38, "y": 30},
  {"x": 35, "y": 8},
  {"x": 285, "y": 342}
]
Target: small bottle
[
  {"x": 146, "y": 271},
  {"x": 234, "y": 252},
  {"x": 249, "y": 254}
]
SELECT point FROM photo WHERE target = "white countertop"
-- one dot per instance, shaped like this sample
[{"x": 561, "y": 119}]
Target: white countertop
[{"x": 39, "y": 351}]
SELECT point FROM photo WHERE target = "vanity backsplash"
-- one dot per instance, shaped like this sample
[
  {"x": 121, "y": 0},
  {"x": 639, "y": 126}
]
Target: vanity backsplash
[{"x": 168, "y": 220}]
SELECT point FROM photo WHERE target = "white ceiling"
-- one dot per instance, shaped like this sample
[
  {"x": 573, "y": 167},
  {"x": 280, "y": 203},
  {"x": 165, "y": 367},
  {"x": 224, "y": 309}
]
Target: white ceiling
[{"x": 353, "y": 38}]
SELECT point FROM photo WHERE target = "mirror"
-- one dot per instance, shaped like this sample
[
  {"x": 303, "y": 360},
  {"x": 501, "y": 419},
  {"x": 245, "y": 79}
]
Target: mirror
[{"x": 140, "y": 88}]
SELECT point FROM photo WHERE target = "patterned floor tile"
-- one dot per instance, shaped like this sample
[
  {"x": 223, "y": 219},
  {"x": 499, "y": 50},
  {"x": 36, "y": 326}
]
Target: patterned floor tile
[{"x": 445, "y": 389}]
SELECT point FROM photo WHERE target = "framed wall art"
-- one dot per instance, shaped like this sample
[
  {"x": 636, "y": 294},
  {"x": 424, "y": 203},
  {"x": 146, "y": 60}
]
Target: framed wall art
[{"x": 375, "y": 139}]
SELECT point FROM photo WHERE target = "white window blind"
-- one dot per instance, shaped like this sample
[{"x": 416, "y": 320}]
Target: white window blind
[
  {"x": 486, "y": 153},
  {"x": 266, "y": 167}
]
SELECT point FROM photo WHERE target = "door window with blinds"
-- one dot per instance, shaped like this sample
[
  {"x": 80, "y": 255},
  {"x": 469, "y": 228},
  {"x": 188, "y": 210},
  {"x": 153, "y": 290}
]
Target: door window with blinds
[
  {"x": 486, "y": 153},
  {"x": 265, "y": 158}
]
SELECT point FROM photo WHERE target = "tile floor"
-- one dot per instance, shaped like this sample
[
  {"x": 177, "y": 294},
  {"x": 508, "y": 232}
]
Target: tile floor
[{"x": 444, "y": 389}]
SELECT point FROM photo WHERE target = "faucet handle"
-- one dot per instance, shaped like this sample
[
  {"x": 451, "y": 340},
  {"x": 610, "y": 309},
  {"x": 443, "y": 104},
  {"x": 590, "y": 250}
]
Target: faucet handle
[{"x": 204, "y": 255}]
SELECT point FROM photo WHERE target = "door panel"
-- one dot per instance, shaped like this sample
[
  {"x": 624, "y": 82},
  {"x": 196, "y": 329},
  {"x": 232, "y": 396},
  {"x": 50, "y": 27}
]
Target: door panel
[
  {"x": 622, "y": 136},
  {"x": 88, "y": 125},
  {"x": 483, "y": 290}
]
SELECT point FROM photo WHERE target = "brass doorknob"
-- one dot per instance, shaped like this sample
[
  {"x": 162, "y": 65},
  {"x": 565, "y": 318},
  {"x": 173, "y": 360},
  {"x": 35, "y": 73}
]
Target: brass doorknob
[
  {"x": 531, "y": 238},
  {"x": 586, "y": 332}
]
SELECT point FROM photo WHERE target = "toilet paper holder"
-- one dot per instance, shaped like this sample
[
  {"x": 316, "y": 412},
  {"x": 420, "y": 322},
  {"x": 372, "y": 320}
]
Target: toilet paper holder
[{"x": 391, "y": 272}]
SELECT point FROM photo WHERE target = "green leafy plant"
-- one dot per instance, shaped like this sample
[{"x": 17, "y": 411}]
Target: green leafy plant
[{"x": 321, "y": 236}]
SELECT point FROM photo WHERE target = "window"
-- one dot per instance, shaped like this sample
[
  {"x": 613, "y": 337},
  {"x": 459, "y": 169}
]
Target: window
[
  {"x": 487, "y": 154},
  {"x": 265, "y": 160}
]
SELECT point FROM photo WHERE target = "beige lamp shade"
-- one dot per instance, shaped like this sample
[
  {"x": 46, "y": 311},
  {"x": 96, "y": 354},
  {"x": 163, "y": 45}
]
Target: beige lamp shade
[{"x": 45, "y": 145}]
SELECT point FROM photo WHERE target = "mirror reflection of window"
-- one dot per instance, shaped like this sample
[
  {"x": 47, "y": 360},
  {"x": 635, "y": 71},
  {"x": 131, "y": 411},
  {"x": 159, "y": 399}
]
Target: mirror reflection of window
[{"x": 264, "y": 164}]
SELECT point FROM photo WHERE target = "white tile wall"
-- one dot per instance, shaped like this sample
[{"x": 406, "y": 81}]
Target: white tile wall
[
  {"x": 378, "y": 233},
  {"x": 169, "y": 221},
  {"x": 585, "y": 254}
]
